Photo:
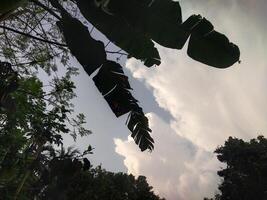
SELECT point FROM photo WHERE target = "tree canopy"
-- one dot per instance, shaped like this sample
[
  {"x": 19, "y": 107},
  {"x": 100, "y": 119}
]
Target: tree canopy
[
  {"x": 41, "y": 33},
  {"x": 245, "y": 174}
]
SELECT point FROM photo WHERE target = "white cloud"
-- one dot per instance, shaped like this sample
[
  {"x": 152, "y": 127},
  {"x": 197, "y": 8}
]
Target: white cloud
[
  {"x": 207, "y": 104},
  {"x": 175, "y": 168}
]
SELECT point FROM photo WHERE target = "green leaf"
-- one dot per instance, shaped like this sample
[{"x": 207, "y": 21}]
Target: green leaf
[
  {"x": 161, "y": 22},
  {"x": 89, "y": 52},
  {"x": 168, "y": 9},
  {"x": 138, "y": 125},
  {"x": 109, "y": 76},
  {"x": 211, "y": 47},
  {"x": 8, "y": 5},
  {"x": 118, "y": 31},
  {"x": 120, "y": 101},
  {"x": 8, "y": 84},
  {"x": 113, "y": 84}
]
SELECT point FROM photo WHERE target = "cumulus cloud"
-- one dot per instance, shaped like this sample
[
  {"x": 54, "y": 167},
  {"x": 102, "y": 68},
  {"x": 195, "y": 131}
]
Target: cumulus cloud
[
  {"x": 176, "y": 167},
  {"x": 207, "y": 104}
]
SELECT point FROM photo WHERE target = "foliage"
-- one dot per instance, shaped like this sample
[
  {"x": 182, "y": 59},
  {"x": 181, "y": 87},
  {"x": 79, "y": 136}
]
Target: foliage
[
  {"x": 32, "y": 167},
  {"x": 41, "y": 116},
  {"x": 9, "y": 5},
  {"x": 245, "y": 175},
  {"x": 70, "y": 177},
  {"x": 45, "y": 31}
]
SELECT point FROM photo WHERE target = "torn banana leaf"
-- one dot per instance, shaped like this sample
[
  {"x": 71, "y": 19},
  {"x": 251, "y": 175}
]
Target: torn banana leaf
[
  {"x": 206, "y": 46},
  {"x": 118, "y": 31},
  {"x": 89, "y": 52},
  {"x": 153, "y": 20},
  {"x": 211, "y": 47},
  {"x": 114, "y": 86},
  {"x": 138, "y": 125},
  {"x": 170, "y": 10},
  {"x": 120, "y": 101},
  {"x": 109, "y": 76}
]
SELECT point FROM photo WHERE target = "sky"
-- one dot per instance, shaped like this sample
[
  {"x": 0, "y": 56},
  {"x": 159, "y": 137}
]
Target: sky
[{"x": 192, "y": 108}]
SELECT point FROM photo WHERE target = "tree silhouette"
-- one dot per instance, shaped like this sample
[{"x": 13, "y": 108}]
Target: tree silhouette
[
  {"x": 132, "y": 25},
  {"x": 42, "y": 116},
  {"x": 245, "y": 175},
  {"x": 71, "y": 177}
]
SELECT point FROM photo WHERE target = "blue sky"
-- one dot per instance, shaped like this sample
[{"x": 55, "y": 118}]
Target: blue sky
[{"x": 192, "y": 107}]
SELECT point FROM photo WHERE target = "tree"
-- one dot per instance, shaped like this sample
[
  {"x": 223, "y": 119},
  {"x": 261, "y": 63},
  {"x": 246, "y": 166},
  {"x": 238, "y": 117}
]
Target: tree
[
  {"x": 40, "y": 118},
  {"x": 245, "y": 175},
  {"x": 134, "y": 32},
  {"x": 72, "y": 177}
]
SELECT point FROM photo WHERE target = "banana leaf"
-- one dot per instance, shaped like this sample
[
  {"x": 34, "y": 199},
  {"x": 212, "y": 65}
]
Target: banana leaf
[
  {"x": 153, "y": 20},
  {"x": 138, "y": 125},
  {"x": 206, "y": 45},
  {"x": 89, "y": 52},
  {"x": 118, "y": 31},
  {"x": 114, "y": 86},
  {"x": 171, "y": 10},
  {"x": 211, "y": 47},
  {"x": 109, "y": 76},
  {"x": 120, "y": 101}
]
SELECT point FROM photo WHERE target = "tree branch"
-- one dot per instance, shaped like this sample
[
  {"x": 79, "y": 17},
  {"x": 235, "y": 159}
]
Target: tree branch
[
  {"x": 33, "y": 37},
  {"x": 46, "y": 8}
]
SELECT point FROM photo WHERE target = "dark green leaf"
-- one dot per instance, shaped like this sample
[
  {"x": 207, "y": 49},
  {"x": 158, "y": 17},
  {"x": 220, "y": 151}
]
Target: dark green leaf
[
  {"x": 120, "y": 101},
  {"x": 113, "y": 84},
  {"x": 151, "y": 21},
  {"x": 118, "y": 31},
  {"x": 109, "y": 76},
  {"x": 210, "y": 47},
  {"x": 168, "y": 9},
  {"x": 138, "y": 125},
  {"x": 89, "y": 52}
]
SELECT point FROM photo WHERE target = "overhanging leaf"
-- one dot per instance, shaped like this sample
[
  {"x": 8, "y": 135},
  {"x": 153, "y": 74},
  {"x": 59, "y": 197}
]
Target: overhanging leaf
[
  {"x": 170, "y": 10},
  {"x": 113, "y": 84},
  {"x": 120, "y": 101},
  {"x": 89, "y": 52},
  {"x": 118, "y": 31},
  {"x": 138, "y": 125},
  {"x": 109, "y": 76},
  {"x": 149, "y": 19},
  {"x": 211, "y": 47}
]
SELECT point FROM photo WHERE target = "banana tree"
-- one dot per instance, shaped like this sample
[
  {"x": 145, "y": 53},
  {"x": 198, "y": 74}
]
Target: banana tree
[{"x": 134, "y": 26}]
